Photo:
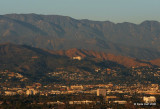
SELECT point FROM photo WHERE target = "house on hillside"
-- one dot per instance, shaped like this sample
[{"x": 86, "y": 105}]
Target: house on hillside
[{"x": 77, "y": 57}]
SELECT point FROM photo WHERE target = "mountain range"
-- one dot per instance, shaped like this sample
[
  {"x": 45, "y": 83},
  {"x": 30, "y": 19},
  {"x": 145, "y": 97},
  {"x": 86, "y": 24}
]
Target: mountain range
[{"x": 53, "y": 32}]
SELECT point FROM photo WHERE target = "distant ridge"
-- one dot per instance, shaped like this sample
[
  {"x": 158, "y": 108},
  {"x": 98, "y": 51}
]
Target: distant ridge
[{"x": 62, "y": 32}]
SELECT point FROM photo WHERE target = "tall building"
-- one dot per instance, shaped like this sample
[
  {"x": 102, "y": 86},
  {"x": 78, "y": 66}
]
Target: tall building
[
  {"x": 101, "y": 92},
  {"x": 31, "y": 92}
]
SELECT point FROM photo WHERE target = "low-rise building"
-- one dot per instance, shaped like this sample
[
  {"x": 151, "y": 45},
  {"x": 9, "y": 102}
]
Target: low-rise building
[
  {"x": 10, "y": 93},
  {"x": 81, "y": 102},
  {"x": 73, "y": 87},
  {"x": 52, "y": 103},
  {"x": 120, "y": 102},
  {"x": 101, "y": 92},
  {"x": 150, "y": 99}
]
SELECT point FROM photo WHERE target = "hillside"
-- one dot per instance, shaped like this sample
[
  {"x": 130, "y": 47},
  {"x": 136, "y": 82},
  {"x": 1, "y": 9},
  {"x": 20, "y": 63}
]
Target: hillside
[
  {"x": 156, "y": 62},
  {"x": 37, "y": 62},
  {"x": 61, "y": 33},
  {"x": 45, "y": 66},
  {"x": 28, "y": 60},
  {"x": 122, "y": 60}
]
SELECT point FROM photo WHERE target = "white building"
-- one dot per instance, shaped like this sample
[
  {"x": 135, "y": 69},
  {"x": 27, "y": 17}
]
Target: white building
[
  {"x": 10, "y": 93},
  {"x": 101, "y": 92},
  {"x": 31, "y": 92},
  {"x": 52, "y": 103},
  {"x": 150, "y": 99},
  {"x": 80, "y": 87},
  {"x": 81, "y": 102},
  {"x": 120, "y": 102},
  {"x": 78, "y": 58},
  {"x": 55, "y": 92}
]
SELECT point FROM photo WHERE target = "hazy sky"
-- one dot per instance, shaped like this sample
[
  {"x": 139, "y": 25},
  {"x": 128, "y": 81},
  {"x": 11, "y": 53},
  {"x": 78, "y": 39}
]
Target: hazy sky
[{"x": 134, "y": 11}]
